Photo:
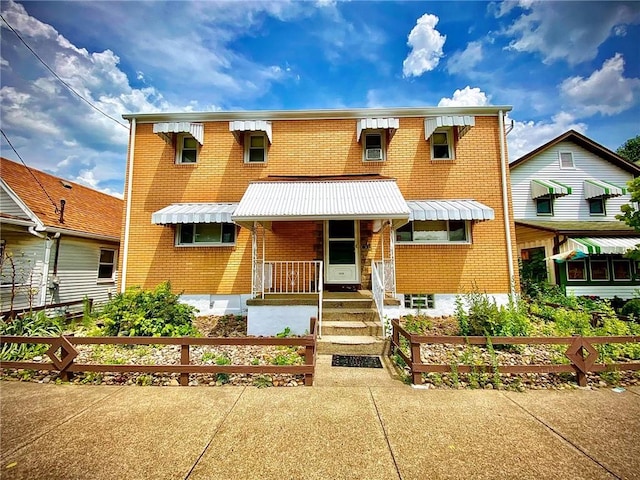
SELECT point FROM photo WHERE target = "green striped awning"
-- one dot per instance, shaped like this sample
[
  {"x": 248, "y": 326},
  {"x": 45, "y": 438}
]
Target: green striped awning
[
  {"x": 602, "y": 188},
  {"x": 542, "y": 188},
  {"x": 604, "y": 245}
]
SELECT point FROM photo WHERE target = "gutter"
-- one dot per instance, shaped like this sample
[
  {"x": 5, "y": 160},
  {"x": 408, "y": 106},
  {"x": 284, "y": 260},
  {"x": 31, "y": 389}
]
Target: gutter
[
  {"x": 127, "y": 215},
  {"x": 505, "y": 203}
]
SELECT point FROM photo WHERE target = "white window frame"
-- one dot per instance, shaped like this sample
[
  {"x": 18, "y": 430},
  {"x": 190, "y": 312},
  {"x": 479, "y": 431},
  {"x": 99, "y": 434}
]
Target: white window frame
[
  {"x": 573, "y": 162},
  {"x": 180, "y": 244},
  {"x": 467, "y": 232},
  {"x": 114, "y": 266},
  {"x": 551, "y": 199},
  {"x": 180, "y": 147},
  {"x": 584, "y": 263},
  {"x": 606, "y": 262},
  {"x": 247, "y": 147},
  {"x": 604, "y": 207},
  {"x": 449, "y": 133},
  {"x": 613, "y": 269},
  {"x": 383, "y": 145}
]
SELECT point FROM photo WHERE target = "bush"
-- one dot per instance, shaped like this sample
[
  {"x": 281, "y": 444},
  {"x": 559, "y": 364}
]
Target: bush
[
  {"x": 148, "y": 313},
  {"x": 632, "y": 307},
  {"x": 483, "y": 317},
  {"x": 36, "y": 324}
]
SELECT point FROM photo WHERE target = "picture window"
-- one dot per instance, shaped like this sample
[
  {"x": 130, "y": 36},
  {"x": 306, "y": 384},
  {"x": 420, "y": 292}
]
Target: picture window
[
  {"x": 206, "y": 234},
  {"x": 434, "y": 231}
]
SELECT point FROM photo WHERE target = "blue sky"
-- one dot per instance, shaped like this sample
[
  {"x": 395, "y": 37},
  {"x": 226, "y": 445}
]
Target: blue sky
[{"x": 561, "y": 65}]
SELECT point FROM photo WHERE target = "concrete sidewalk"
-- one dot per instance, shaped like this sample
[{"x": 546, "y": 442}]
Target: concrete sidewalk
[{"x": 377, "y": 429}]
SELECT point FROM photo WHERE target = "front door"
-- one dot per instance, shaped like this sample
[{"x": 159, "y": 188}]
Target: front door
[{"x": 341, "y": 251}]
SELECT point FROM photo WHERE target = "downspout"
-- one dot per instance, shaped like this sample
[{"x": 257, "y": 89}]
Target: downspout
[
  {"x": 127, "y": 215},
  {"x": 505, "y": 204}
]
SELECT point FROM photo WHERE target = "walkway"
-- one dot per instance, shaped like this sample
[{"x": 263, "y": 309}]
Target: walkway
[{"x": 377, "y": 428}]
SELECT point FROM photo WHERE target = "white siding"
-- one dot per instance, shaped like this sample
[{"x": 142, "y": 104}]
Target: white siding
[
  {"x": 546, "y": 165},
  {"x": 606, "y": 291},
  {"x": 9, "y": 207}
]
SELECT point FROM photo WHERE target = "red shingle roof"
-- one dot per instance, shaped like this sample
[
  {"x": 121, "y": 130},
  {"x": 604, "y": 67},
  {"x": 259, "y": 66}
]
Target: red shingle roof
[{"x": 86, "y": 210}]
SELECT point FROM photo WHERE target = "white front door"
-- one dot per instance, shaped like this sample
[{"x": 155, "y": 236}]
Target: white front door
[{"x": 341, "y": 251}]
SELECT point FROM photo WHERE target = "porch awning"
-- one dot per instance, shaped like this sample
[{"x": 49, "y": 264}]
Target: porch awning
[
  {"x": 541, "y": 188},
  {"x": 270, "y": 201},
  {"x": 389, "y": 124},
  {"x": 449, "y": 210},
  {"x": 463, "y": 122},
  {"x": 194, "y": 213},
  {"x": 196, "y": 130},
  {"x": 604, "y": 245},
  {"x": 601, "y": 188},
  {"x": 240, "y": 126}
]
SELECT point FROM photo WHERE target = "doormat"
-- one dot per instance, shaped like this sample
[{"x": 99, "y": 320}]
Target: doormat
[{"x": 362, "y": 361}]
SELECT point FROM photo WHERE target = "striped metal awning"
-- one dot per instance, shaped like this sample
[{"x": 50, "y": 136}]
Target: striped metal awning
[
  {"x": 164, "y": 130},
  {"x": 541, "y": 188},
  {"x": 463, "y": 122},
  {"x": 240, "y": 126},
  {"x": 270, "y": 201},
  {"x": 194, "y": 213},
  {"x": 601, "y": 188},
  {"x": 449, "y": 210},
  {"x": 389, "y": 124},
  {"x": 604, "y": 245}
]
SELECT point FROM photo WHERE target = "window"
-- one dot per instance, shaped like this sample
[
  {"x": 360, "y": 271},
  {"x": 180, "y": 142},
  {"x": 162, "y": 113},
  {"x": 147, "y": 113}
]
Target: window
[
  {"x": 596, "y": 207},
  {"x": 206, "y": 234},
  {"x": 187, "y": 151},
  {"x": 576, "y": 270},
  {"x": 107, "y": 265},
  {"x": 255, "y": 148},
  {"x": 544, "y": 205},
  {"x": 433, "y": 231},
  {"x": 621, "y": 269},
  {"x": 441, "y": 145},
  {"x": 373, "y": 146},
  {"x": 419, "y": 300},
  {"x": 599, "y": 269},
  {"x": 566, "y": 160}
]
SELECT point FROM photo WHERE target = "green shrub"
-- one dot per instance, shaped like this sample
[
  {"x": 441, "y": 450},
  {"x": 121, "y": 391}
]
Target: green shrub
[
  {"x": 483, "y": 317},
  {"x": 148, "y": 313},
  {"x": 417, "y": 324},
  {"x": 35, "y": 324},
  {"x": 632, "y": 307}
]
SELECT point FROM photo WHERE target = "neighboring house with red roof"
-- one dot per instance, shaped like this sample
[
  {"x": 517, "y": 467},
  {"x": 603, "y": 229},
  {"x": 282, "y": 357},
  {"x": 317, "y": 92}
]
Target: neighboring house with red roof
[
  {"x": 62, "y": 237},
  {"x": 566, "y": 195}
]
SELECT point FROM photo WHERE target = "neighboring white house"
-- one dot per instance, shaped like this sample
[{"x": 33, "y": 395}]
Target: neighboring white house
[
  {"x": 59, "y": 240},
  {"x": 566, "y": 195}
]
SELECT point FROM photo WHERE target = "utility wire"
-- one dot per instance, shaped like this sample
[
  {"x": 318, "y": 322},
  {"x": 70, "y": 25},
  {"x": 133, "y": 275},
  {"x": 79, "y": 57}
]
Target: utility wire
[
  {"x": 55, "y": 206},
  {"x": 60, "y": 79}
]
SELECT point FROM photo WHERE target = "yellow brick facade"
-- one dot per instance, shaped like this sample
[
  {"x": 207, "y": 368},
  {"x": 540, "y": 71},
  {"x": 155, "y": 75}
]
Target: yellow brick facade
[{"x": 315, "y": 147}]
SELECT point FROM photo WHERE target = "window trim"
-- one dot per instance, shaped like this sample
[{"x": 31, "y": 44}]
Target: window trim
[
  {"x": 467, "y": 232},
  {"x": 247, "y": 147},
  {"x": 383, "y": 144},
  {"x": 573, "y": 162},
  {"x": 180, "y": 148},
  {"x": 613, "y": 269},
  {"x": 114, "y": 265},
  {"x": 606, "y": 262},
  {"x": 450, "y": 139},
  {"x": 584, "y": 263},
  {"x": 604, "y": 207},
  {"x": 551, "y": 201},
  {"x": 178, "y": 237}
]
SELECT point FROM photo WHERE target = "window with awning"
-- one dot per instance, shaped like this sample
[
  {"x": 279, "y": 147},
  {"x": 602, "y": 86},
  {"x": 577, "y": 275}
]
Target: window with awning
[
  {"x": 168, "y": 130},
  {"x": 388, "y": 124},
  {"x": 240, "y": 127},
  {"x": 602, "y": 189},
  {"x": 449, "y": 210},
  {"x": 543, "y": 188},
  {"x": 462, "y": 122}
]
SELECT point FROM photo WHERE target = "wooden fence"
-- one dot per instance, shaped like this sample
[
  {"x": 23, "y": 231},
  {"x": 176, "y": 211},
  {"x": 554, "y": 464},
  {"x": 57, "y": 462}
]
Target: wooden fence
[
  {"x": 581, "y": 364},
  {"x": 64, "y": 362},
  {"x": 69, "y": 313}
]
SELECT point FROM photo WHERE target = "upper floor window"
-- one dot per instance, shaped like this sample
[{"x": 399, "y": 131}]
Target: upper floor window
[
  {"x": 107, "y": 265},
  {"x": 255, "y": 147},
  {"x": 596, "y": 207},
  {"x": 374, "y": 148},
  {"x": 187, "y": 151},
  {"x": 434, "y": 231},
  {"x": 442, "y": 144},
  {"x": 566, "y": 160},
  {"x": 206, "y": 234},
  {"x": 544, "y": 205}
]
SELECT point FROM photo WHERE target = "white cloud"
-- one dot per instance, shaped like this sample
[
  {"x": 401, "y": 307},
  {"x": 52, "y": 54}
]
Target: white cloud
[
  {"x": 467, "y": 97},
  {"x": 529, "y": 135},
  {"x": 572, "y": 31},
  {"x": 426, "y": 47},
  {"x": 606, "y": 91},
  {"x": 463, "y": 61}
]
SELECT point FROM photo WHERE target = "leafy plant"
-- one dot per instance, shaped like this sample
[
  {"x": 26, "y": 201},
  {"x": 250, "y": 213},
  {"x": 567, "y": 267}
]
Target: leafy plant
[
  {"x": 262, "y": 381},
  {"x": 36, "y": 324},
  {"x": 483, "y": 317},
  {"x": 222, "y": 360},
  {"x": 418, "y": 324},
  {"x": 285, "y": 333},
  {"x": 144, "y": 380}
]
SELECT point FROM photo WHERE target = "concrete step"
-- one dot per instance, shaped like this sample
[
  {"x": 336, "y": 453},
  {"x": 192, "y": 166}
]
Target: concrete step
[
  {"x": 347, "y": 328},
  {"x": 347, "y": 303},
  {"x": 352, "y": 345},
  {"x": 349, "y": 314}
]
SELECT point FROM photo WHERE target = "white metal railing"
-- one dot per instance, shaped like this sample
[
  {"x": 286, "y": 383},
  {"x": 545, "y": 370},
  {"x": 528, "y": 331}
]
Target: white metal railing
[
  {"x": 387, "y": 272},
  {"x": 377, "y": 289}
]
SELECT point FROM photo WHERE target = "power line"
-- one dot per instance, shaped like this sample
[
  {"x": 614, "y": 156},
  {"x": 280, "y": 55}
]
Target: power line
[
  {"x": 60, "y": 79},
  {"x": 55, "y": 206}
]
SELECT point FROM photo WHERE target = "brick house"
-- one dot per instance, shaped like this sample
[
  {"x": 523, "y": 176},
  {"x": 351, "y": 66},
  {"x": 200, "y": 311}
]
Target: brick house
[
  {"x": 236, "y": 208},
  {"x": 63, "y": 239},
  {"x": 566, "y": 195}
]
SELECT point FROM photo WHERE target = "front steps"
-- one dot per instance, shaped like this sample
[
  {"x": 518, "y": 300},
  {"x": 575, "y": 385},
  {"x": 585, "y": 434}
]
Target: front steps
[{"x": 350, "y": 325}]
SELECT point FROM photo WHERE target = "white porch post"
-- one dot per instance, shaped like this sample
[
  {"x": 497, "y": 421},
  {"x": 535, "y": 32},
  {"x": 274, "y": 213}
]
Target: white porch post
[
  {"x": 254, "y": 259},
  {"x": 392, "y": 257}
]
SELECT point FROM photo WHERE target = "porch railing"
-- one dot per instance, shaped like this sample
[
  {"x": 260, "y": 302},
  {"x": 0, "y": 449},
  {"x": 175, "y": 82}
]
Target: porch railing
[
  {"x": 387, "y": 273},
  {"x": 377, "y": 289}
]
